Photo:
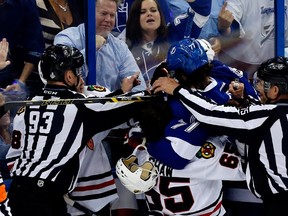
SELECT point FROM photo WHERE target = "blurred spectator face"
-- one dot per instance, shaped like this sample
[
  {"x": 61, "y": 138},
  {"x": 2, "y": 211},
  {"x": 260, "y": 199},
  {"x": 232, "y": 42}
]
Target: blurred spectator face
[
  {"x": 105, "y": 16},
  {"x": 150, "y": 17}
]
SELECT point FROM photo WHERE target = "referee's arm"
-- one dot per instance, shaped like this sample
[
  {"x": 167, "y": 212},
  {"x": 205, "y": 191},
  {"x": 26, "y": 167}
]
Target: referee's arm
[{"x": 228, "y": 117}]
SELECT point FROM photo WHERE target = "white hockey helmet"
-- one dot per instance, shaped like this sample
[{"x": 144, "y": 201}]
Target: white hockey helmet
[
  {"x": 137, "y": 178},
  {"x": 208, "y": 49}
]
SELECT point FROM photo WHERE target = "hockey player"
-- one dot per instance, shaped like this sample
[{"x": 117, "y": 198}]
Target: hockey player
[
  {"x": 95, "y": 187},
  {"x": 191, "y": 163}
]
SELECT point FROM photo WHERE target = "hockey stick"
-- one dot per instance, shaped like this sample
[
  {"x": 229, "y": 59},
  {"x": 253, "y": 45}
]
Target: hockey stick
[
  {"x": 78, "y": 206},
  {"x": 12, "y": 104}
]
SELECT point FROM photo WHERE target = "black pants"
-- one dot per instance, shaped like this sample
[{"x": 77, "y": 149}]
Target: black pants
[
  {"x": 33, "y": 197},
  {"x": 276, "y": 204}
]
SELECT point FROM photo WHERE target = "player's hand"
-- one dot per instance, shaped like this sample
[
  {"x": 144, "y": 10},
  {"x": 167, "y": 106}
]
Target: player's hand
[
  {"x": 225, "y": 19},
  {"x": 4, "y": 48},
  {"x": 100, "y": 41},
  {"x": 129, "y": 82},
  {"x": 236, "y": 89},
  {"x": 165, "y": 84}
]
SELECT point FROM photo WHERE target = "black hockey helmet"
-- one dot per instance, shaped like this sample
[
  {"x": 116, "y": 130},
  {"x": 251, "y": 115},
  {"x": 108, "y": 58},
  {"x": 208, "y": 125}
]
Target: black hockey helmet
[
  {"x": 57, "y": 59},
  {"x": 274, "y": 71}
]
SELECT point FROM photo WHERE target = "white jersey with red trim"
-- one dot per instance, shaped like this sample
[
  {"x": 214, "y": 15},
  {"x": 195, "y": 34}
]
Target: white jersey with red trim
[
  {"x": 177, "y": 190},
  {"x": 95, "y": 186}
]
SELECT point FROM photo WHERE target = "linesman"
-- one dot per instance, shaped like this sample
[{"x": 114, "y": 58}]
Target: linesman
[{"x": 52, "y": 138}]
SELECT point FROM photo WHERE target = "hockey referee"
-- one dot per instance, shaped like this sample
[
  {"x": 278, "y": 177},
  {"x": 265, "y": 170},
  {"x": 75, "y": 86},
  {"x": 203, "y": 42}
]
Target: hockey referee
[
  {"x": 52, "y": 138},
  {"x": 264, "y": 128}
]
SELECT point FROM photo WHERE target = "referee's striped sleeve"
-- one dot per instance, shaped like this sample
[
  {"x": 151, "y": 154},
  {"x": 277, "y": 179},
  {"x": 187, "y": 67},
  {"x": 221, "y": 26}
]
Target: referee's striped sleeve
[{"x": 223, "y": 116}]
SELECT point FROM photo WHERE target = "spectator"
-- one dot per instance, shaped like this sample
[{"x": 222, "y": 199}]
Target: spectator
[
  {"x": 4, "y": 48},
  {"x": 178, "y": 7},
  {"x": 21, "y": 27},
  {"x": 114, "y": 60},
  {"x": 170, "y": 9},
  {"x": 261, "y": 127},
  {"x": 58, "y": 15},
  {"x": 210, "y": 29},
  {"x": 148, "y": 36},
  {"x": 54, "y": 17},
  {"x": 246, "y": 46},
  {"x": 50, "y": 169}
]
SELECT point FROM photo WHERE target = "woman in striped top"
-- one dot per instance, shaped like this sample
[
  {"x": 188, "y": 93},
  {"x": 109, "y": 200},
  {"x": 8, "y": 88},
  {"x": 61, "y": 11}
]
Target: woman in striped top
[{"x": 56, "y": 15}]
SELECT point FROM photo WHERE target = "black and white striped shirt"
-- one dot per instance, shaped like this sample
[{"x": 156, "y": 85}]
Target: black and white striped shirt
[
  {"x": 52, "y": 138},
  {"x": 263, "y": 127}
]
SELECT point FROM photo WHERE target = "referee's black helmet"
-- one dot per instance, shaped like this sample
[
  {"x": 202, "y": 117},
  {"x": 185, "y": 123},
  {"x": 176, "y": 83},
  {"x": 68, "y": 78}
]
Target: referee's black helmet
[
  {"x": 57, "y": 59},
  {"x": 275, "y": 72}
]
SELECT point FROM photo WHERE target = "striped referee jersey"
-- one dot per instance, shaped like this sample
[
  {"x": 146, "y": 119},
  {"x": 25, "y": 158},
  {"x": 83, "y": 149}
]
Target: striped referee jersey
[
  {"x": 264, "y": 128},
  {"x": 51, "y": 139}
]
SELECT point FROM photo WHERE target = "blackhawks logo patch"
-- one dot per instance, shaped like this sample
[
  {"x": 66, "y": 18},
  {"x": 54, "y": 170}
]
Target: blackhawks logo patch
[
  {"x": 207, "y": 151},
  {"x": 96, "y": 88}
]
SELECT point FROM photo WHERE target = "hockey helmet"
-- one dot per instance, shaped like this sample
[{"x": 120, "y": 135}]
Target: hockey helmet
[
  {"x": 57, "y": 59},
  {"x": 187, "y": 55},
  {"x": 274, "y": 71},
  {"x": 137, "y": 178}
]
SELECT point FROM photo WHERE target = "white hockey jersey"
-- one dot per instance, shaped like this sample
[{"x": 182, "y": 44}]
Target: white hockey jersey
[{"x": 197, "y": 188}]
